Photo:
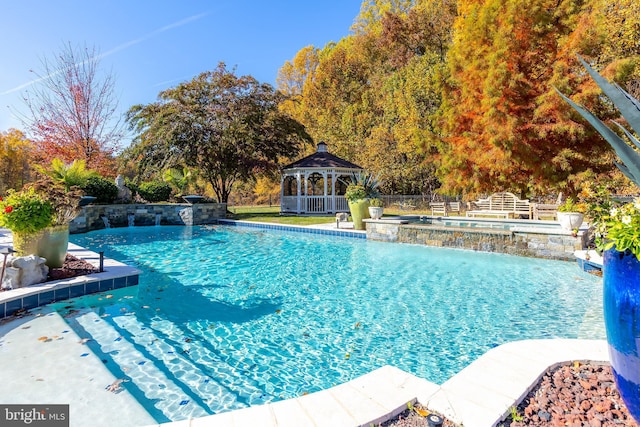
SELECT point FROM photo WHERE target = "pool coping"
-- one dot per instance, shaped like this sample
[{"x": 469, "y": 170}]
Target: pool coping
[
  {"x": 329, "y": 229},
  {"x": 116, "y": 275},
  {"x": 480, "y": 395}
]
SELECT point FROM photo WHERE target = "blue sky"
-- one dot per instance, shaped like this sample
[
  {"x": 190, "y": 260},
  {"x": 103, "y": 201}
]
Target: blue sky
[{"x": 153, "y": 45}]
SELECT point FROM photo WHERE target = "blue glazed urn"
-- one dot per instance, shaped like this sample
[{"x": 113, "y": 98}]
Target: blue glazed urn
[{"x": 622, "y": 322}]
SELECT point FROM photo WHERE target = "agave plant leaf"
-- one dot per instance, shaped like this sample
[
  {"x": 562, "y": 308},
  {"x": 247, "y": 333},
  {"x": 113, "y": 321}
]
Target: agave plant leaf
[
  {"x": 631, "y": 137},
  {"x": 625, "y": 152},
  {"x": 623, "y": 101}
]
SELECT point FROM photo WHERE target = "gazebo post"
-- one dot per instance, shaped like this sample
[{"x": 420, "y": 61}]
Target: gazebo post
[
  {"x": 299, "y": 191},
  {"x": 326, "y": 199}
]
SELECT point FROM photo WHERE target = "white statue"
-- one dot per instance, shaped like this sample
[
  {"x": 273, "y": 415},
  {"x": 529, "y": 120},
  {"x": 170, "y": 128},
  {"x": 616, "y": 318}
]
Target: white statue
[{"x": 124, "y": 194}]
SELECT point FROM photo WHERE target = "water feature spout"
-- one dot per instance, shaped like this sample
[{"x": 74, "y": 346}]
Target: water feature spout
[
  {"x": 107, "y": 224},
  {"x": 131, "y": 218},
  {"x": 158, "y": 218}
]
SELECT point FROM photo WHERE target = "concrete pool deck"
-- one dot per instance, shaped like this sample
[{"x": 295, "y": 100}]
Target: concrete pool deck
[{"x": 45, "y": 362}]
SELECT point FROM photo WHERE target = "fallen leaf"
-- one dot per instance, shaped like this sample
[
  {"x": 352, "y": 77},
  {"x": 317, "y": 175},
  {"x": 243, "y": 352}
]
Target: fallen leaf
[{"x": 421, "y": 412}]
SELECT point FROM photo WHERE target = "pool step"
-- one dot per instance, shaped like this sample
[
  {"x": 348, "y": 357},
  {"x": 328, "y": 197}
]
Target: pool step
[
  {"x": 231, "y": 374},
  {"x": 169, "y": 398},
  {"x": 258, "y": 370},
  {"x": 176, "y": 360}
]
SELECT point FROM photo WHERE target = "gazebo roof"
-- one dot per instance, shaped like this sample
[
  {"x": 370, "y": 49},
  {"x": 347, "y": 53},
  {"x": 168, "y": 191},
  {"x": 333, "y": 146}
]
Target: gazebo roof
[{"x": 322, "y": 159}]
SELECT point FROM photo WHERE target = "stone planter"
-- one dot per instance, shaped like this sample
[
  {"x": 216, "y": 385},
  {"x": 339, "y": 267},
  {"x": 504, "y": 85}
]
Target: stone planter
[
  {"x": 570, "y": 220},
  {"x": 50, "y": 243},
  {"x": 621, "y": 276},
  {"x": 375, "y": 212},
  {"x": 86, "y": 200},
  {"x": 193, "y": 199},
  {"x": 359, "y": 211}
]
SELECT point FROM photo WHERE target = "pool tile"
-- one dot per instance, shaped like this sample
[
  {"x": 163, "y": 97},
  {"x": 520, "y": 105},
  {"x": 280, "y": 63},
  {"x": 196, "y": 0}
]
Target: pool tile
[
  {"x": 106, "y": 285},
  {"x": 61, "y": 294},
  {"x": 92, "y": 287},
  {"x": 13, "y": 306},
  {"x": 46, "y": 297},
  {"x": 76, "y": 291},
  {"x": 30, "y": 302},
  {"x": 119, "y": 282}
]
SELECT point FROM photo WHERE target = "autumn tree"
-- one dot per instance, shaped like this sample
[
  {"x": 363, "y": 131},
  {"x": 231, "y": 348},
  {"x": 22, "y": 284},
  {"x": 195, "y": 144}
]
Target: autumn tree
[
  {"x": 506, "y": 129},
  {"x": 373, "y": 95},
  {"x": 72, "y": 110},
  {"x": 292, "y": 78},
  {"x": 15, "y": 156},
  {"x": 230, "y": 128}
]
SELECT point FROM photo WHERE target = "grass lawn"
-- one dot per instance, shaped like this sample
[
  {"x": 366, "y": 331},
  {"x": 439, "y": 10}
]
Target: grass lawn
[{"x": 272, "y": 214}]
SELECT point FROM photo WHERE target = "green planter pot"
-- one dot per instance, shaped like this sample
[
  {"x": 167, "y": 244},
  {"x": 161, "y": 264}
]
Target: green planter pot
[
  {"x": 50, "y": 243},
  {"x": 359, "y": 211}
]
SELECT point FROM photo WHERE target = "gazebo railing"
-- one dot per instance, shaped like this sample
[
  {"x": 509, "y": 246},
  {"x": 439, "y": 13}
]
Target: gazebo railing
[
  {"x": 314, "y": 204},
  {"x": 289, "y": 204},
  {"x": 341, "y": 204}
]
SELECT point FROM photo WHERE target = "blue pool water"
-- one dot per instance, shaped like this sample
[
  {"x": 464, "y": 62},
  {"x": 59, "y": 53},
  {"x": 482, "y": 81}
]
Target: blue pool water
[{"x": 228, "y": 317}]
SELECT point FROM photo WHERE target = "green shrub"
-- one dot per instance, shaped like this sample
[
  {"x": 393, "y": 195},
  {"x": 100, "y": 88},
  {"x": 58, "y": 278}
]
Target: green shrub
[
  {"x": 155, "y": 191},
  {"x": 376, "y": 203},
  {"x": 132, "y": 186},
  {"x": 69, "y": 175},
  {"x": 102, "y": 189}
]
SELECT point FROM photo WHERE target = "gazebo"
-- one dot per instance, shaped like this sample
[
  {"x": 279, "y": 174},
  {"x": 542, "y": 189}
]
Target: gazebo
[{"x": 316, "y": 184}]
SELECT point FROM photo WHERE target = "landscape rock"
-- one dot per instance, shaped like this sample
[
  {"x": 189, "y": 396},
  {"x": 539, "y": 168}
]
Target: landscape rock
[{"x": 24, "y": 271}]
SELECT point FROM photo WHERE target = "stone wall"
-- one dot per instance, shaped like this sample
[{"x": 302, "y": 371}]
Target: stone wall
[
  {"x": 91, "y": 217},
  {"x": 533, "y": 243}
]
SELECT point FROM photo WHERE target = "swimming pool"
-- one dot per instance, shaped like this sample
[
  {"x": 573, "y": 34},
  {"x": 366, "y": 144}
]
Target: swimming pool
[{"x": 229, "y": 317}]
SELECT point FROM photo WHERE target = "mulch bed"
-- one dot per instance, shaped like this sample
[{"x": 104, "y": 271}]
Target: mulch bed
[
  {"x": 72, "y": 267},
  {"x": 581, "y": 395},
  {"x": 413, "y": 418},
  {"x": 575, "y": 395}
]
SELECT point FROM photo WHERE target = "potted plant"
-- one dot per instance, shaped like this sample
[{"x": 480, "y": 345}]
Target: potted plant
[
  {"x": 376, "y": 208},
  {"x": 619, "y": 233},
  {"x": 362, "y": 188},
  {"x": 570, "y": 214},
  {"x": 38, "y": 217}
]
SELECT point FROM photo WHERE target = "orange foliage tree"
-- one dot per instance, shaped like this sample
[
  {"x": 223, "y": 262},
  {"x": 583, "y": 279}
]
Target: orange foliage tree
[
  {"x": 505, "y": 127},
  {"x": 15, "y": 155}
]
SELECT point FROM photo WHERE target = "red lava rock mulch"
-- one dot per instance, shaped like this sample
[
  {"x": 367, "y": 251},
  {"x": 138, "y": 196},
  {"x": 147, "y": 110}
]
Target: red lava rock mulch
[
  {"x": 411, "y": 418},
  {"x": 580, "y": 395},
  {"x": 72, "y": 267},
  {"x": 576, "y": 395}
]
